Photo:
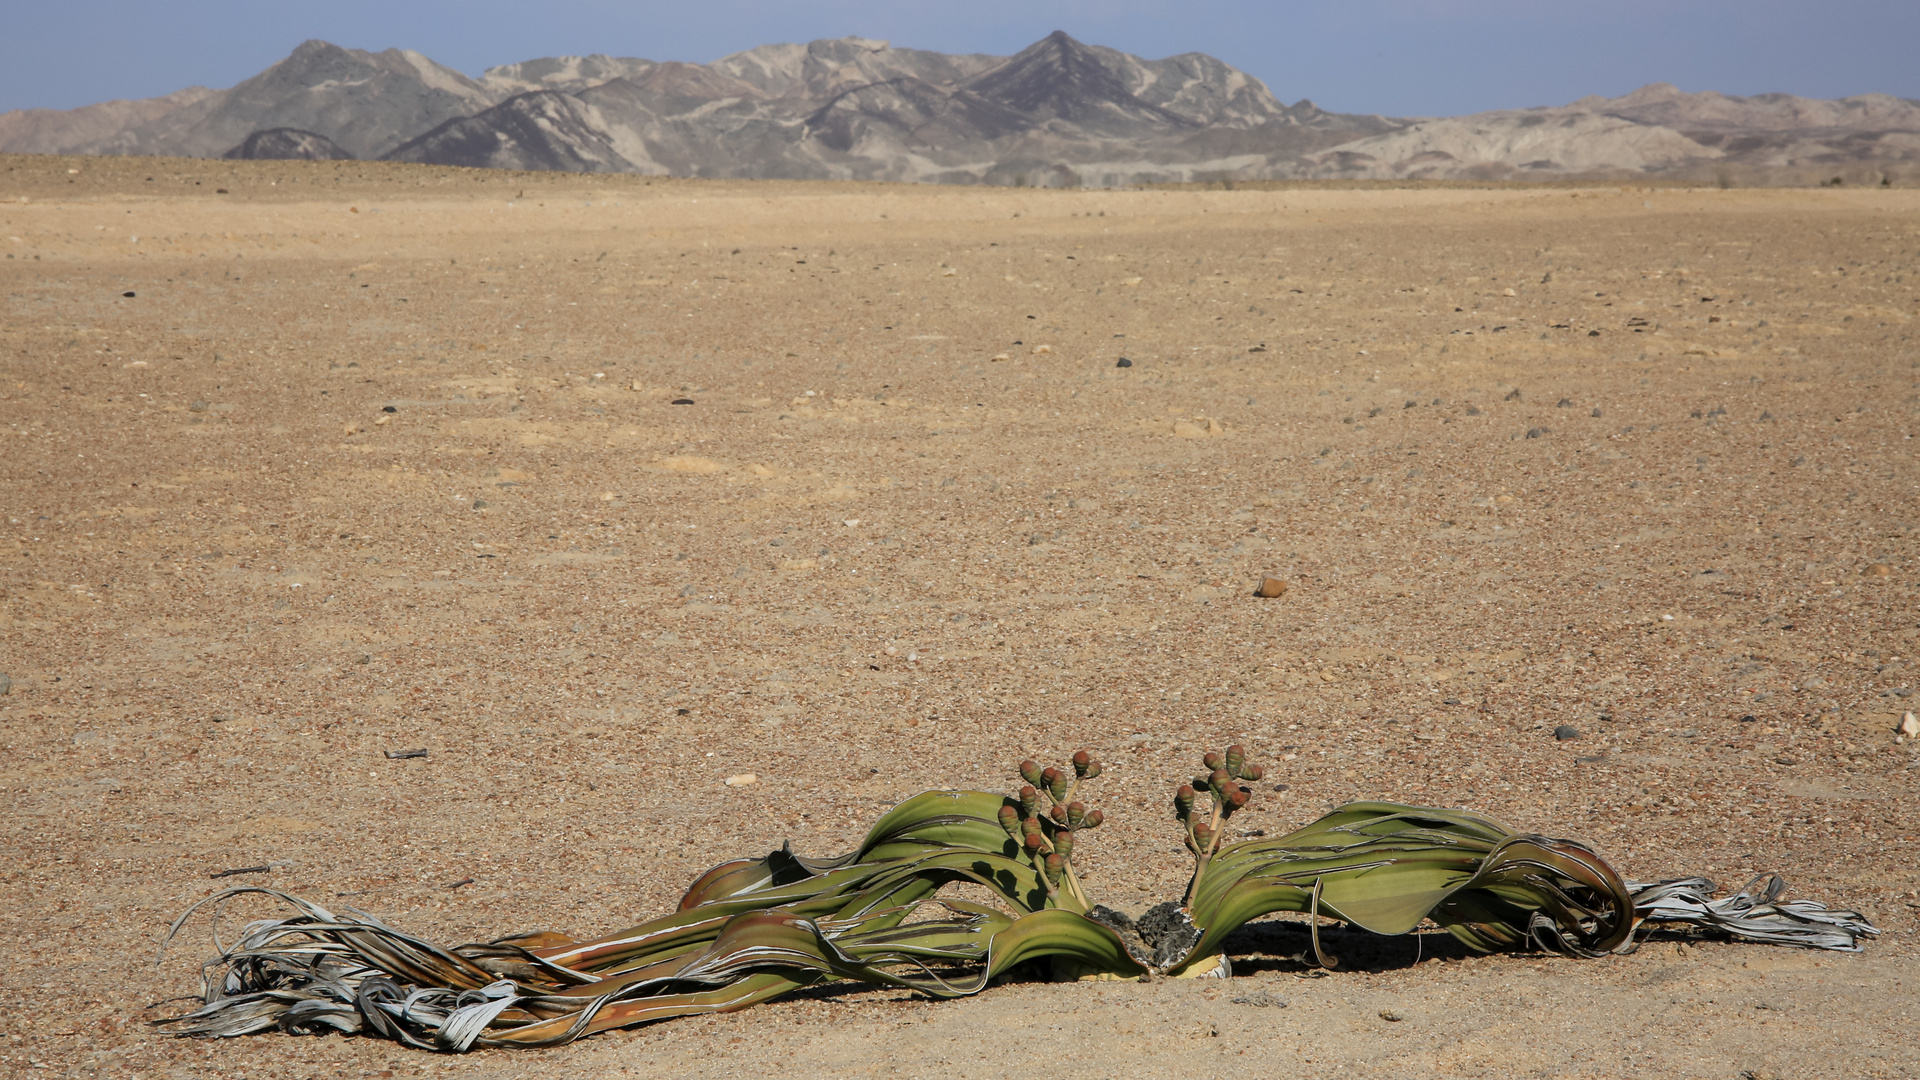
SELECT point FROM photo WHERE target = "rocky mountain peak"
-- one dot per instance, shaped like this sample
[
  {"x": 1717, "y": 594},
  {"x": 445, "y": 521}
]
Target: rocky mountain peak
[{"x": 1058, "y": 78}]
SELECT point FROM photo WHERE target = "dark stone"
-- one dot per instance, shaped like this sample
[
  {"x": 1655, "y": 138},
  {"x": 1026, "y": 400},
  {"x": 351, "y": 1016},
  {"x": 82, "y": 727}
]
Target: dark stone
[
  {"x": 1565, "y": 732},
  {"x": 390, "y": 408},
  {"x": 1123, "y": 362},
  {"x": 1535, "y": 432},
  {"x": 128, "y": 295},
  {"x": 683, "y": 401}
]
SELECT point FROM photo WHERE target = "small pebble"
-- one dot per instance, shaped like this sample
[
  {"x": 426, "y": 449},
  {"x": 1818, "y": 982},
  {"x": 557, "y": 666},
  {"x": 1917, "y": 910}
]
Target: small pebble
[
  {"x": 128, "y": 295},
  {"x": 1536, "y": 432},
  {"x": 198, "y": 406},
  {"x": 683, "y": 401},
  {"x": 1123, "y": 362},
  {"x": 1595, "y": 413},
  {"x": 1565, "y": 732},
  {"x": 1389, "y": 1015},
  {"x": 1909, "y": 724},
  {"x": 1565, "y": 403},
  {"x": 1878, "y": 569},
  {"x": 481, "y": 504},
  {"x": 1271, "y": 587},
  {"x": 742, "y": 780},
  {"x": 6, "y": 687}
]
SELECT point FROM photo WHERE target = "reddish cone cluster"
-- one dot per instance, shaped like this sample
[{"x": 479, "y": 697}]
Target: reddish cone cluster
[
  {"x": 1222, "y": 784},
  {"x": 1049, "y": 838}
]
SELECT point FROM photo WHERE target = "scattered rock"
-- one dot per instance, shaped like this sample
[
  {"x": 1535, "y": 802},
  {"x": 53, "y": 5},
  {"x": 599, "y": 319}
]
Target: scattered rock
[
  {"x": 396, "y": 755},
  {"x": 1514, "y": 394},
  {"x": 1122, "y": 362},
  {"x": 1000, "y": 357},
  {"x": 1261, "y": 1000},
  {"x": 1199, "y": 427},
  {"x": 682, "y": 401},
  {"x": 1565, "y": 732},
  {"x": 1909, "y": 724},
  {"x": 1535, "y": 432},
  {"x": 198, "y": 406},
  {"x": 743, "y": 779},
  {"x": 389, "y": 409},
  {"x": 128, "y": 295},
  {"x": 1271, "y": 587},
  {"x": 1389, "y": 1015},
  {"x": 1595, "y": 413},
  {"x": 1042, "y": 350},
  {"x": 382, "y": 420},
  {"x": 481, "y": 504},
  {"x": 1878, "y": 569},
  {"x": 1565, "y": 403},
  {"x": 1473, "y": 410}
]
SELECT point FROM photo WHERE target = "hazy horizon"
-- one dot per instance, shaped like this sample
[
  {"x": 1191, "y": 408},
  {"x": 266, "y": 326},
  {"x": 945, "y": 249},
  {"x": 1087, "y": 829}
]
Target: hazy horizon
[{"x": 1397, "y": 57}]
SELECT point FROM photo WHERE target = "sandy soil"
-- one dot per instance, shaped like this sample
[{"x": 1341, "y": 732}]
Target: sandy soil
[{"x": 352, "y": 459}]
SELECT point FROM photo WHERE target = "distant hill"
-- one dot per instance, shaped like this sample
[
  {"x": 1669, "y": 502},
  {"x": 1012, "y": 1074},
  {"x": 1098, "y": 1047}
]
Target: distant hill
[
  {"x": 1656, "y": 130},
  {"x": 287, "y": 144},
  {"x": 1060, "y": 112}
]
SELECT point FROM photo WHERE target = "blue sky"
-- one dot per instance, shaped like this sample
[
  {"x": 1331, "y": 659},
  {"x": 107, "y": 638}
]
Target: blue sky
[{"x": 1400, "y": 57}]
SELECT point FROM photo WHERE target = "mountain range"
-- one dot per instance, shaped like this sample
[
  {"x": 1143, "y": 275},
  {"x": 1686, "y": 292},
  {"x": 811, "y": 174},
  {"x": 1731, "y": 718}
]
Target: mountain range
[{"x": 1059, "y": 113}]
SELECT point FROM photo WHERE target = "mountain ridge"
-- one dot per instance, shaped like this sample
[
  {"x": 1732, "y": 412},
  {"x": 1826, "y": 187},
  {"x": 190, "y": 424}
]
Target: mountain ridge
[{"x": 1059, "y": 112}]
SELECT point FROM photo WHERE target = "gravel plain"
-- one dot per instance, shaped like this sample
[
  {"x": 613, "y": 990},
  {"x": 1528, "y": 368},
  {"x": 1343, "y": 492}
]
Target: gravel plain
[{"x": 307, "y": 464}]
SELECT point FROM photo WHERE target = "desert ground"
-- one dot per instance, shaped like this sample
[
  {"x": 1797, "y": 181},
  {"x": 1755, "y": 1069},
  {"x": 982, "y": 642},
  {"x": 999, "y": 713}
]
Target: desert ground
[{"x": 306, "y": 464}]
